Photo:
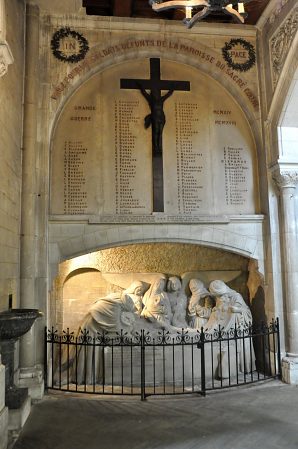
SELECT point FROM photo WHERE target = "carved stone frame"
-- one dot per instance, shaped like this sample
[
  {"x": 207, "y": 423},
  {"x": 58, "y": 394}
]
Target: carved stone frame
[
  {"x": 280, "y": 44},
  {"x": 6, "y": 57}
]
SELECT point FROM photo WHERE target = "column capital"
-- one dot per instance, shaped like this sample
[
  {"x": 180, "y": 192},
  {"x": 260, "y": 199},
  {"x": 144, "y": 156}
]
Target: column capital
[
  {"x": 6, "y": 57},
  {"x": 284, "y": 178}
]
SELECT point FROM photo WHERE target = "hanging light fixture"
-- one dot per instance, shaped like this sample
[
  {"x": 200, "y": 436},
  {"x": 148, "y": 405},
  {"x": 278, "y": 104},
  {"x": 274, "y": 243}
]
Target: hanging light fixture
[{"x": 196, "y": 10}]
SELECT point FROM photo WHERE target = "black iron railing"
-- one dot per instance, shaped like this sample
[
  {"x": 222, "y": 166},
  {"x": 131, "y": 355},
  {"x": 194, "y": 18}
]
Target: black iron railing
[{"x": 164, "y": 364}]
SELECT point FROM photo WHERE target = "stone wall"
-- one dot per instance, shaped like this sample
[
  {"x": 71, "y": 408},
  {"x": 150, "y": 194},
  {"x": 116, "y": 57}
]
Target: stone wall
[{"x": 11, "y": 96}]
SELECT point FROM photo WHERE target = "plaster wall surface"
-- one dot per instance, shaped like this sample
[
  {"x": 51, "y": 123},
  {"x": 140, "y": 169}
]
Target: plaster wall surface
[{"x": 11, "y": 95}]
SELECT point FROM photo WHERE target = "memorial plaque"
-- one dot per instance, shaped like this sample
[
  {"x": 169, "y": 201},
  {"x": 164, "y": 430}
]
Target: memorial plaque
[{"x": 102, "y": 163}]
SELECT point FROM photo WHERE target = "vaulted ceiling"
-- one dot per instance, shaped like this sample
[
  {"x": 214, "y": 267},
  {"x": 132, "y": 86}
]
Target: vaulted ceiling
[{"x": 142, "y": 9}]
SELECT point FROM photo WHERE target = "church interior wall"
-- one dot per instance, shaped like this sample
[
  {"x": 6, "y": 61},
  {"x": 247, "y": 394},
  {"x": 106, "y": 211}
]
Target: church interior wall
[
  {"x": 11, "y": 118},
  {"x": 71, "y": 236},
  {"x": 70, "y": 251}
]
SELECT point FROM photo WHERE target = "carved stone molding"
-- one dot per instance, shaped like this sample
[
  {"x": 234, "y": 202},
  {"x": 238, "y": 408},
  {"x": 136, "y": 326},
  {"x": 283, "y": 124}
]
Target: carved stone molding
[
  {"x": 280, "y": 5},
  {"x": 285, "y": 178},
  {"x": 280, "y": 44},
  {"x": 2, "y": 21},
  {"x": 6, "y": 58}
]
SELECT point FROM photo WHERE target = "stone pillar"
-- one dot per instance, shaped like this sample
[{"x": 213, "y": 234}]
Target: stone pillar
[
  {"x": 287, "y": 181},
  {"x": 30, "y": 376}
]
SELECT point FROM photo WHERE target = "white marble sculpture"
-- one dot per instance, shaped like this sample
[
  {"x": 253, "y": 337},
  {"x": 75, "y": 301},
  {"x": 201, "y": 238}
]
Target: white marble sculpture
[
  {"x": 178, "y": 301},
  {"x": 112, "y": 314},
  {"x": 136, "y": 291},
  {"x": 157, "y": 307},
  {"x": 162, "y": 307},
  {"x": 200, "y": 304},
  {"x": 231, "y": 312}
]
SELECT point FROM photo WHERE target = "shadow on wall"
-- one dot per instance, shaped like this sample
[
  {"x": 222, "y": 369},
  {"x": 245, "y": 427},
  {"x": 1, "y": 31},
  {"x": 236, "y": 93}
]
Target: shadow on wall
[{"x": 261, "y": 344}]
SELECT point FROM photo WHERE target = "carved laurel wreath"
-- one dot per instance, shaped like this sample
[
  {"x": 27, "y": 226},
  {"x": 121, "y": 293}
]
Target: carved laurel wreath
[
  {"x": 67, "y": 32},
  {"x": 241, "y": 67}
]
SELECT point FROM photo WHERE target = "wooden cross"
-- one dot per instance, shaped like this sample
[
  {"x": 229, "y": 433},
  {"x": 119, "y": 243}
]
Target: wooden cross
[{"x": 156, "y": 119}]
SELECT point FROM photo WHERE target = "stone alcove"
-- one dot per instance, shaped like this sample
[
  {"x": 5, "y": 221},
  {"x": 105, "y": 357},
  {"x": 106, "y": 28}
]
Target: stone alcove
[{"x": 84, "y": 279}]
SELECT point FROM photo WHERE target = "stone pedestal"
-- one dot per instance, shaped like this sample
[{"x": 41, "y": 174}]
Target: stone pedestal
[
  {"x": 14, "y": 396},
  {"x": 290, "y": 370},
  {"x": 18, "y": 417},
  {"x": 32, "y": 378}
]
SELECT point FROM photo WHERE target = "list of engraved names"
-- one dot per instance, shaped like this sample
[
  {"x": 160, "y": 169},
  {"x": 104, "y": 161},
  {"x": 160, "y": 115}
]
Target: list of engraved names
[
  {"x": 189, "y": 159},
  {"x": 127, "y": 188},
  {"x": 74, "y": 166},
  {"x": 236, "y": 175}
]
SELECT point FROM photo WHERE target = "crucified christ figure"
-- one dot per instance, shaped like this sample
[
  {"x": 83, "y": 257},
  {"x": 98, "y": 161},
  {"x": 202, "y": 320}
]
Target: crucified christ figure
[
  {"x": 151, "y": 90},
  {"x": 156, "y": 118}
]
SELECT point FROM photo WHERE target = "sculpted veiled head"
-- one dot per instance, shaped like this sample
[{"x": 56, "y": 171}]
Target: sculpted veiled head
[
  {"x": 218, "y": 288},
  {"x": 137, "y": 288},
  {"x": 197, "y": 287},
  {"x": 173, "y": 284}
]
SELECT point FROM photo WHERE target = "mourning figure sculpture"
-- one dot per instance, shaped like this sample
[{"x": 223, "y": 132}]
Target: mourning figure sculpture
[
  {"x": 231, "y": 314},
  {"x": 230, "y": 310},
  {"x": 163, "y": 308},
  {"x": 200, "y": 304},
  {"x": 111, "y": 314},
  {"x": 157, "y": 307},
  {"x": 178, "y": 301},
  {"x": 136, "y": 291}
]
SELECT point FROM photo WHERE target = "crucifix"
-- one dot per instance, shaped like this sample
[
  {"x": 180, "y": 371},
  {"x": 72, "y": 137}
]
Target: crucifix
[{"x": 156, "y": 119}]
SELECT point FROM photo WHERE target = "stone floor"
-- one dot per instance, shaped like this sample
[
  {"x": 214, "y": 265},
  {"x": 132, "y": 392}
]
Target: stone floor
[{"x": 263, "y": 416}]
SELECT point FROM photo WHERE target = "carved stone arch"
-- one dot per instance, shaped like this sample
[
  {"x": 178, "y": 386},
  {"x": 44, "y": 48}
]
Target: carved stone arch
[
  {"x": 77, "y": 271},
  {"x": 227, "y": 239},
  {"x": 206, "y": 68}
]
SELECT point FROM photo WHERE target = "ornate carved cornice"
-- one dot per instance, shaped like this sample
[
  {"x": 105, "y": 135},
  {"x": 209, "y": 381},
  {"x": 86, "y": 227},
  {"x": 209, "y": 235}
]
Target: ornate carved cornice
[
  {"x": 285, "y": 178},
  {"x": 280, "y": 44},
  {"x": 276, "y": 13},
  {"x": 6, "y": 58}
]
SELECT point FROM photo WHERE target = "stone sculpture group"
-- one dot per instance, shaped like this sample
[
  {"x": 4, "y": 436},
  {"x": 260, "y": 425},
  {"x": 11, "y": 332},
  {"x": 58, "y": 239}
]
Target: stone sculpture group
[
  {"x": 162, "y": 305},
  {"x": 165, "y": 305}
]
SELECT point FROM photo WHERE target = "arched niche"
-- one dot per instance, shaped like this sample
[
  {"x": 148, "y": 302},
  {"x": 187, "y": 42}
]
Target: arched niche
[
  {"x": 83, "y": 280},
  {"x": 100, "y": 141},
  {"x": 78, "y": 289}
]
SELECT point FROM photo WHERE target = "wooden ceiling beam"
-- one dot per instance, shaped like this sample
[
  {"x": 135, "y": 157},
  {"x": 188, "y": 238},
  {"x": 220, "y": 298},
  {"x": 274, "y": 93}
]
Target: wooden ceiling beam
[{"x": 122, "y": 8}]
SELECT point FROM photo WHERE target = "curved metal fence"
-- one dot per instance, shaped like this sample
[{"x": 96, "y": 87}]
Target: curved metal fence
[{"x": 186, "y": 362}]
